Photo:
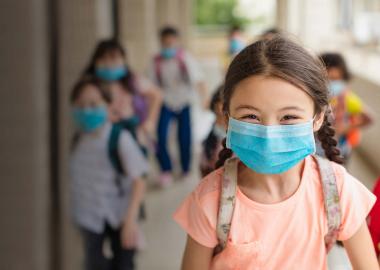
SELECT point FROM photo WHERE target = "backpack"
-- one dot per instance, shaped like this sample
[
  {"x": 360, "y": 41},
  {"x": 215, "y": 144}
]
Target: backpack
[
  {"x": 227, "y": 201},
  {"x": 180, "y": 57}
]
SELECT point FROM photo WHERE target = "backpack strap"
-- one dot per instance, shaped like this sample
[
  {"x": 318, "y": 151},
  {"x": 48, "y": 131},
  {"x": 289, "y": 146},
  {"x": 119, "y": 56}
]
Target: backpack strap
[
  {"x": 157, "y": 68},
  {"x": 113, "y": 153},
  {"x": 331, "y": 200},
  {"x": 180, "y": 57},
  {"x": 227, "y": 202}
]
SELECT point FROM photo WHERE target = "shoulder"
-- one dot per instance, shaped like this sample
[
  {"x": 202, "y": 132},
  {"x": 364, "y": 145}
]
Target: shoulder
[
  {"x": 339, "y": 171},
  {"x": 125, "y": 138},
  {"x": 207, "y": 192}
]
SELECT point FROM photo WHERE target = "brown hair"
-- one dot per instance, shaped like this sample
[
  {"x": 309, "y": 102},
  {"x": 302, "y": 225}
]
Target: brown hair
[
  {"x": 89, "y": 80},
  {"x": 282, "y": 58},
  {"x": 336, "y": 60}
]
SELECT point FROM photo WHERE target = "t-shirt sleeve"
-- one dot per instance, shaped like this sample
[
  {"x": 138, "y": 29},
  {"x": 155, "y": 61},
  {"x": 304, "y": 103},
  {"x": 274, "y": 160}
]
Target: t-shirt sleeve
[
  {"x": 191, "y": 216},
  {"x": 356, "y": 202},
  {"x": 132, "y": 158}
]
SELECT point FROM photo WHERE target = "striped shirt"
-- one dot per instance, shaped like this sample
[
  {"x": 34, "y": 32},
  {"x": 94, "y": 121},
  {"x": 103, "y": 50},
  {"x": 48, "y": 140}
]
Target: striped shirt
[{"x": 95, "y": 196}]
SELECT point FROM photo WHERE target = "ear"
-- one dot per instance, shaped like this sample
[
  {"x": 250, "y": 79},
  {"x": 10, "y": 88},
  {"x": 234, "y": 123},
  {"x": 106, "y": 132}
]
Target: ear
[
  {"x": 226, "y": 118},
  {"x": 318, "y": 121}
]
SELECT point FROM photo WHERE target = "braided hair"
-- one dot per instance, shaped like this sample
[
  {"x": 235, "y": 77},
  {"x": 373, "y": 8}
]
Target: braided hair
[{"x": 283, "y": 58}]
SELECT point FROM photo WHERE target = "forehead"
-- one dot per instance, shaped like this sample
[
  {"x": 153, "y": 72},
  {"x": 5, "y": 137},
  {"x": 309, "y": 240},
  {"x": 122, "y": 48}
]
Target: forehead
[
  {"x": 269, "y": 94},
  {"x": 335, "y": 73},
  {"x": 90, "y": 91},
  {"x": 114, "y": 53}
]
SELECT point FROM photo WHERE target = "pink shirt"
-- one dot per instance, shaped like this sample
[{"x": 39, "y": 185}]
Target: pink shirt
[{"x": 285, "y": 235}]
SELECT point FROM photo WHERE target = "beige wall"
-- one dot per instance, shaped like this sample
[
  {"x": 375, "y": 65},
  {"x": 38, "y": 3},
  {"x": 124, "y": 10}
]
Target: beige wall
[{"x": 24, "y": 139}]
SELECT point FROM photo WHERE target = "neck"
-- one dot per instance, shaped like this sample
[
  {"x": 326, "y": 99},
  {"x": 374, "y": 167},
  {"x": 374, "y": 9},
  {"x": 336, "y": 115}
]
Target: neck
[{"x": 267, "y": 188}]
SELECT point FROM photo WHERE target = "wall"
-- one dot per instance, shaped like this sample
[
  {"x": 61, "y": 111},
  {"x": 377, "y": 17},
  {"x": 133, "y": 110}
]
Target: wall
[{"x": 24, "y": 136}]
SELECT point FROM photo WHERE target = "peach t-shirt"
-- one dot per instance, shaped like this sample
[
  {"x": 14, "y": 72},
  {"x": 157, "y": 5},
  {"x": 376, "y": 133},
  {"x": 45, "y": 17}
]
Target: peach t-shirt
[{"x": 285, "y": 235}]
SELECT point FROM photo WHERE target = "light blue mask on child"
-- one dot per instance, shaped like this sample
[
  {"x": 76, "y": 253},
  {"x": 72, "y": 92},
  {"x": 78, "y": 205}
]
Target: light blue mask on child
[
  {"x": 168, "y": 53},
  {"x": 235, "y": 46},
  {"x": 336, "y": 87},
  {"x": 90, "y": 119},
  {"x": 111, "y": 74},
  {"x": 270, "y": 149}
]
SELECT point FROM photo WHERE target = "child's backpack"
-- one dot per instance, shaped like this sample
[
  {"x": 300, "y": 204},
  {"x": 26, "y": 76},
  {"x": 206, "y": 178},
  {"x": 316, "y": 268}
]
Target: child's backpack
[
  {"x": 228, "y": 196},
  {"x": 180, "y": 57}
]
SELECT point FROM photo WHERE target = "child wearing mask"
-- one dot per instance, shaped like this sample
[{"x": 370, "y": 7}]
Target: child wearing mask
[
  {"x": 176, "y": 72},
  {"x": 135, "y": 101},
  {"x": 105, "y": 202},
  {"x": 213, "y": 143},
  {"x": 272, "y": 204},
  {"x": 350, "y": 114}
]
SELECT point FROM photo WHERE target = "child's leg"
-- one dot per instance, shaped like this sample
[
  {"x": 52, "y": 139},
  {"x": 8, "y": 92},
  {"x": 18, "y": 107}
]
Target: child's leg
[
  {"x": 123, "y": 259},
  {"x": 184, "y": 136},
  {"x": 93, "y": 248},
  {"x": 163, "y": 130}
]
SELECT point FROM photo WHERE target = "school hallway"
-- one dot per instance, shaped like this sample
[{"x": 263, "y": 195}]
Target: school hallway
[{"x": 47, "y": 44}]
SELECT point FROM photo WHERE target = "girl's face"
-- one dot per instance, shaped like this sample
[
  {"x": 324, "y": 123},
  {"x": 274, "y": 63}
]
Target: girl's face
[
  {"x": 272, "y": 101},
  {"x": 90, "y": 98},
  {"x": 111, "y": 59},
  {"x": 334, "y": 74}
]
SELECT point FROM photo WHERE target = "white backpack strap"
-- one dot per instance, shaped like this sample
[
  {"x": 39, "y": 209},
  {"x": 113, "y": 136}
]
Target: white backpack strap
[
  {"x": 331, "y": 200},
  {"x": 227, "y": 201}
]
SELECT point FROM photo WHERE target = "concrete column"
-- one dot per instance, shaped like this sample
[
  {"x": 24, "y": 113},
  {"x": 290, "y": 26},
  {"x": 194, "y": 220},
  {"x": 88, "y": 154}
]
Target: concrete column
[
  {"x": 138, "y": 31},
  {"x": 24, "y": 136},
  {"x": 81, "y": 25},
  {"x": 176, "y": 13}
]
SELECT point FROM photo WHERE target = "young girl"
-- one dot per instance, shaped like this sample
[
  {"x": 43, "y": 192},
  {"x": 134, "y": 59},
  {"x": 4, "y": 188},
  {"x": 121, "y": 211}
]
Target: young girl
[
  {"x": 102, "y": 209},
  {"x": 350, "y": 113},
  {"x": 135, "y": 101},
  {"x": 213, "y": 143},
  {"x": 275, "y": 99}
]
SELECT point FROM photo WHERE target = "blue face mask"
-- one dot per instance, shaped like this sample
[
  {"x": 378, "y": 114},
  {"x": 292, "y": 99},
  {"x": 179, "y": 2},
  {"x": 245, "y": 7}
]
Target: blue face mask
[
  {"x": 90, "y": 119},
  {"x": 270, "y": 149},
  {"x": 235, "y": 46},
  {"x": 337, "y": 87},
  {"x": 111, "y": 74},
  {"x": 168, "y": 53}
]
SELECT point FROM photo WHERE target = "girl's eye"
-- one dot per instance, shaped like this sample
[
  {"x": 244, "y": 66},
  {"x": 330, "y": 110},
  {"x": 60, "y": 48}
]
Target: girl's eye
[
  {"x": 251, "y": 117},
  {"x": 289, "y": 118}
]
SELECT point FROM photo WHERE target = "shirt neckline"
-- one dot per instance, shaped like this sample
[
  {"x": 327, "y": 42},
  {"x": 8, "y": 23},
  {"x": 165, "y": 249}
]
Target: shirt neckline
[{"x": 283, "y": 204}]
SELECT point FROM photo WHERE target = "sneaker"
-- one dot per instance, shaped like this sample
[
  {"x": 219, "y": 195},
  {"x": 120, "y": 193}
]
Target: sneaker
[{"x": 165, "y": 179}]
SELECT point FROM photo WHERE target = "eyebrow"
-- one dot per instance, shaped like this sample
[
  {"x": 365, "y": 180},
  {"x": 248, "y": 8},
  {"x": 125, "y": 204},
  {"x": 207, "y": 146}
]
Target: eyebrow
[
  {"x": 295, "y": 108},
  {"x": 249, "y": 107}
]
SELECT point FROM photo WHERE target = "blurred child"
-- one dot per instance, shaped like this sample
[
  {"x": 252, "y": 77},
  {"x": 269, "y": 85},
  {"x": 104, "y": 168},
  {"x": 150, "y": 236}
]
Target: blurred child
[
  {"x": 213, "y": 143},
  {"x": 350, "y": 114},
  {"x": 135, "y": 101},
  {"x": 235, "y": 41},
  {"x": 105, "y": 201},
  {"x": 178, "y": 75}
]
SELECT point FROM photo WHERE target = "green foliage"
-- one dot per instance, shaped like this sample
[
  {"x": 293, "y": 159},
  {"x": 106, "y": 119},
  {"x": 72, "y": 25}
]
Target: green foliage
[{"x": 218, "y": 12}]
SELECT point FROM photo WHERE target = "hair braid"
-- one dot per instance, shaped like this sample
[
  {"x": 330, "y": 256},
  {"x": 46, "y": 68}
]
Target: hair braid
[
  {"x": 326, "y": 137},
  {"x": 224, "y": 154}
]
